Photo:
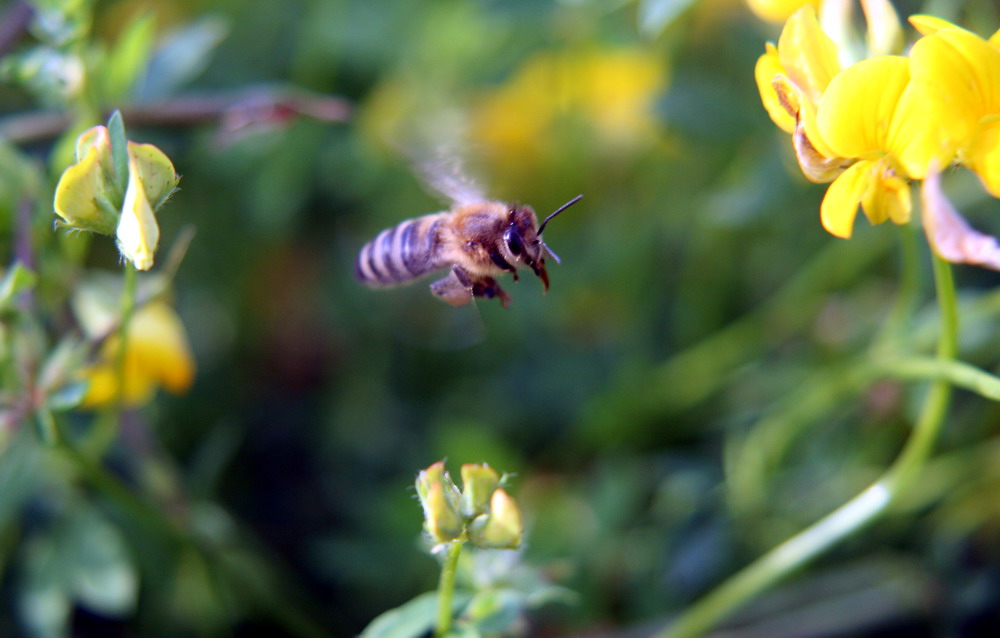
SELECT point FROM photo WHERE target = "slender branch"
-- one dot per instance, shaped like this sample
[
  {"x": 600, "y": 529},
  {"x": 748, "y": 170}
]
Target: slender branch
[
  {"x": 264, "y": 105},
  {"x": 851, "y": 517},
  {"x": 957, "y": 373}
]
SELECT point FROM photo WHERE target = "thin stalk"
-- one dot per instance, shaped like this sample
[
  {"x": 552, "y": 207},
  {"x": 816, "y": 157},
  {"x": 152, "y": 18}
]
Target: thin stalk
[
  {"x": 446, "y": 587},
  {"x": 849, "y": 518},
  {"x": 107, "y": 425}
]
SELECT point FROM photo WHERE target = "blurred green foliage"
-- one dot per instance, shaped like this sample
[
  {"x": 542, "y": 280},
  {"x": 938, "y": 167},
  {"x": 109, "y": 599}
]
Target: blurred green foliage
[{"x": 690, "y": 392}]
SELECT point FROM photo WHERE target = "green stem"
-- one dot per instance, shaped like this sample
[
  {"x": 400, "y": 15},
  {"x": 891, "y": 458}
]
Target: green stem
[
  {"x": 446, "y": 587},
  {"x": 106, "y": 426},
  {"x": 849, "y": 518}
]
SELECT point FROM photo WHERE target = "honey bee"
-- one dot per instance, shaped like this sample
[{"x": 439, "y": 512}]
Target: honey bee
[{"x": 477, "y": 240}]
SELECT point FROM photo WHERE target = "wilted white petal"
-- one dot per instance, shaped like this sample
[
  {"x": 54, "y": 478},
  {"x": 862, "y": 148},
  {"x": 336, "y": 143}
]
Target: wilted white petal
[
  {"x": 949, "y": 234},
  {"x": 138, "y": 233}
]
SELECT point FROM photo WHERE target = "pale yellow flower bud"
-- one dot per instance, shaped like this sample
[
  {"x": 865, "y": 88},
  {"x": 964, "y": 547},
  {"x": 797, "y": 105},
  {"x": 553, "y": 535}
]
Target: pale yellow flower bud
[
  {"x": 440, "y": 499},
  {"x": 502, "y": 527},
  {"x": 478, "y": 484},
  {"x": 83, "y": 193}
]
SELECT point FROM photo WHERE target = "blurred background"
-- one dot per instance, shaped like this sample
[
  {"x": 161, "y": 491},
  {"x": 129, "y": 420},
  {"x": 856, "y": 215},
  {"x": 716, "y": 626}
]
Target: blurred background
[{"x": 685, "y": 396}]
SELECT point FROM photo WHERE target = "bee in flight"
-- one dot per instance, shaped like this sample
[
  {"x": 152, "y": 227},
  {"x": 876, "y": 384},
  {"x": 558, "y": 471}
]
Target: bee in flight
[{"x": 477, "y": 240}]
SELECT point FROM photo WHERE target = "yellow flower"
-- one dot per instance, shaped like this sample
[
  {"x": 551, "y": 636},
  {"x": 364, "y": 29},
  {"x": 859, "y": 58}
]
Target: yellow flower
[
  {"x": 792, "y": 78},
  {"x": 779, "y": 10},
  {"x": 156, "y": 354},
  {"x": 870, "y": 113},
  {"x": 957, "y": 74}
]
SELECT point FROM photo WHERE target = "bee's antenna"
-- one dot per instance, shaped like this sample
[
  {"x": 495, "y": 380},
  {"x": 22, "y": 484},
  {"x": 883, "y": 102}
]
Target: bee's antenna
[{"x": 559, "y": 210}]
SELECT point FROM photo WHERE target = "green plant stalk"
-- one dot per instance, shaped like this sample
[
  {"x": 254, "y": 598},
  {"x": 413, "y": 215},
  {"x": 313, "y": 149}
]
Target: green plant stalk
[
  {"x": 854, "y": 515},
  {"x": 446, "y": 587},
  {"x": 107, "y": 425}
]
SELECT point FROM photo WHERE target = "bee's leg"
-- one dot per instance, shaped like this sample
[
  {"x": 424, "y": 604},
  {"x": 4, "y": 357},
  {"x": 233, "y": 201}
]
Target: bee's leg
[
  {"x": 456, "y": 288},
  {"x": 488, "y": 288},
  {"x": 502, "y": 263}
]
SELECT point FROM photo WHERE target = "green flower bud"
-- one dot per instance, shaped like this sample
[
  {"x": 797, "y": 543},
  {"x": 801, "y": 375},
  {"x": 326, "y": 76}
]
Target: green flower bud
[
  {"x": 501, "y": 528},
  {"x": 478, "y": 484}
]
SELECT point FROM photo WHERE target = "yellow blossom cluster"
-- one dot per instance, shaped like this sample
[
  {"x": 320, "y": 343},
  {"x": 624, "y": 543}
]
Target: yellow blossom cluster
[{"x": 874, "y": 126}]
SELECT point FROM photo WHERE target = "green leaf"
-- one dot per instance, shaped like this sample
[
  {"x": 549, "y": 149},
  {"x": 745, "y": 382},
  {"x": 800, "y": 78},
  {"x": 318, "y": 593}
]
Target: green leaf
[
  {"x": 181, "y": 57},
  {"x": 16, "y": 280},
  {"x": 119, "y": 149},
  {"x": 656, "y": 15},
  {"x": 412, "y": 619},
  {"x": 129, "y": 57},
  {"x": 67, "y": 397},
  {"x": 101, "y": 577},
  {"x": 43, "y": 603},
  {"x": 495, "y": 611}
]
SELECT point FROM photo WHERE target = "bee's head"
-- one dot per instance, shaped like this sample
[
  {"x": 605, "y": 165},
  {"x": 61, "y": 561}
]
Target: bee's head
[{"x": 523, "y": 239}]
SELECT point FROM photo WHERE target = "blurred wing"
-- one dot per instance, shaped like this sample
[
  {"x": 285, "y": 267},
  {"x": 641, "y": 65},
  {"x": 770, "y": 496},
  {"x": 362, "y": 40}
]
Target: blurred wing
[{"x": 444, "y": 173}]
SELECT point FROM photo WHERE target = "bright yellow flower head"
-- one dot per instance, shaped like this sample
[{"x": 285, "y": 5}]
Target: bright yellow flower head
[
  {"x": 157, "y": 354},
  {"x": 869, "y": 113},
  {"x": 957, "y": 74}
]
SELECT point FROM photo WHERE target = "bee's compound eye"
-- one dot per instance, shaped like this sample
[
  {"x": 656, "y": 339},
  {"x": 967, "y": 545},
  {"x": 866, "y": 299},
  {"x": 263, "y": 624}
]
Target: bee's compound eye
[{"x": 513, "y": 241}]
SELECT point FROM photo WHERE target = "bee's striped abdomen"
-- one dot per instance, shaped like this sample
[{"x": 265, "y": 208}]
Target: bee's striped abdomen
[{"x": 401, "y": 253}]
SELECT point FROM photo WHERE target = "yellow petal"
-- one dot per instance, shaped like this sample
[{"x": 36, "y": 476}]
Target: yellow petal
[
  {"x": 994, "y": 40},
  {"x": 887, "y": 196},
  {"x": 810, "y": 126},
  {"x": 778, "y": 10},
  {"x": 158, "y": 339},
  {"x": 807, "y": 54},
  {"x": 767, "y": 69},
  {"x": 928, "y": 24},
  {"x": 982, "y": 155},
  {"x": 138, "y": 234},
  {"x": 856, "y": 112},
  {"x": 102, "y": 388},
  {"x": 949, "y": 234},
  {"x": 958, "y": 74},
  {"x": 95, "y": 137},
  {"x": 157, "y": 354},
  {"x": 155, "y": 170},
  {"x": 914, "y": 135},
  {"x": 840, "y": 204},
  {"x": 77, "y": 192}
]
